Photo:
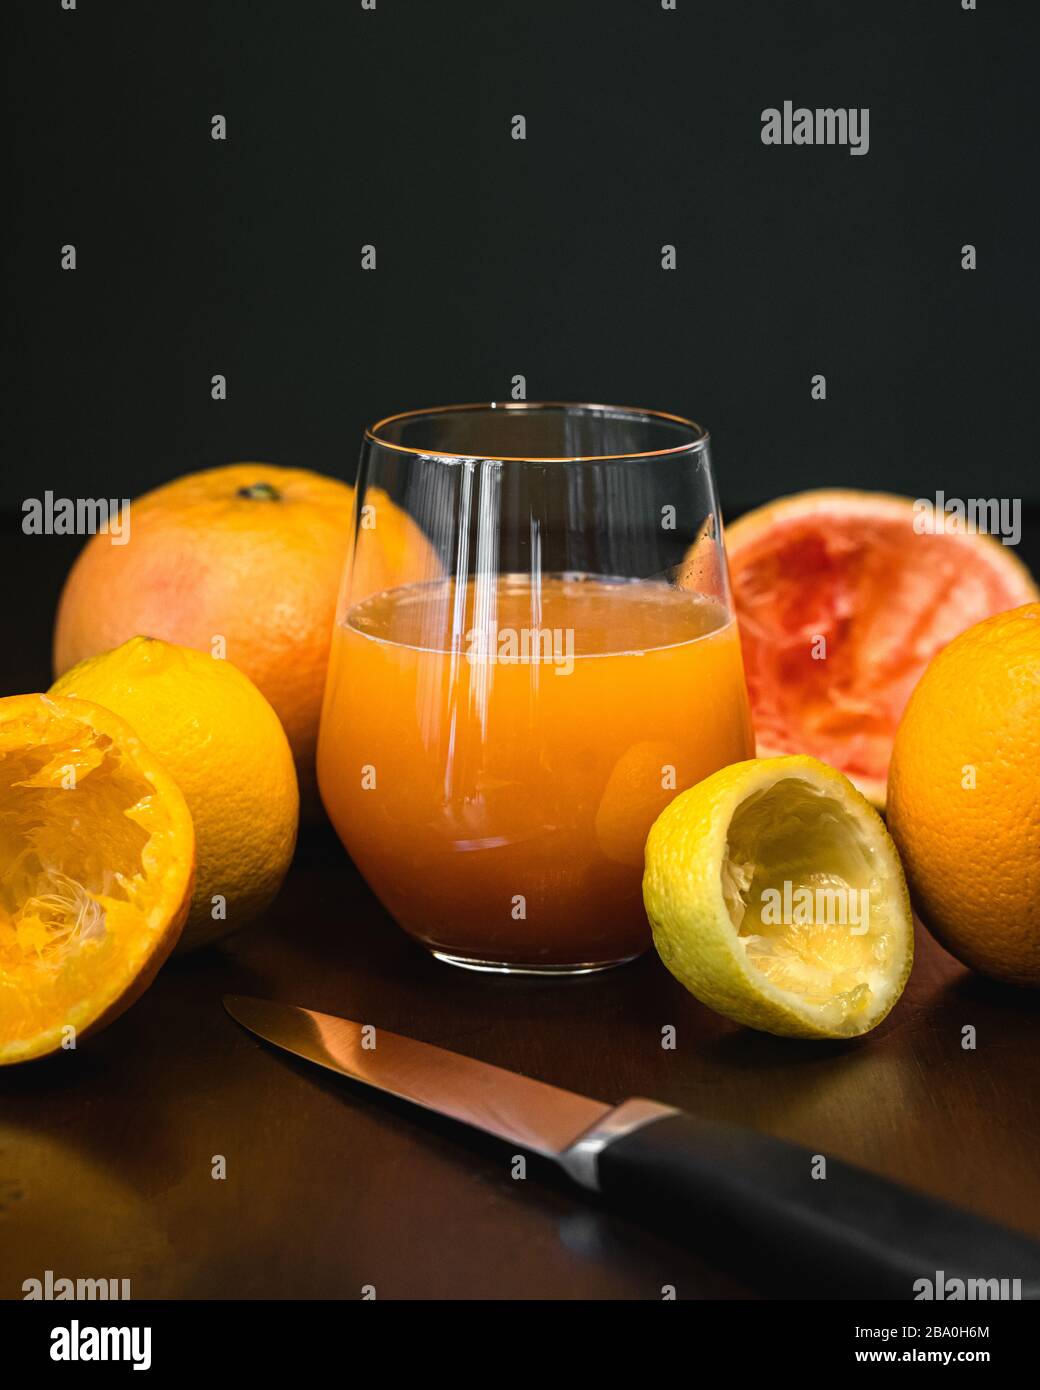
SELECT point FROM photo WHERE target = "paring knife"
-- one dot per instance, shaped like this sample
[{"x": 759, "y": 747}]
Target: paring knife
[{"x": 747, "y": 1199}]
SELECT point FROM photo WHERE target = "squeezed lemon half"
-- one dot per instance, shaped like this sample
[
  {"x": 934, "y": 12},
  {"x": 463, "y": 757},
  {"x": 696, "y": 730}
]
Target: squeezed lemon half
[{"x": 777, "y": 897}]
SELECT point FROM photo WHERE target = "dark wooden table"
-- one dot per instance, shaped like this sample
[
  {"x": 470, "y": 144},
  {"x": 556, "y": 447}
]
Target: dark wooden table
[{"x": 107, "y": 1153}]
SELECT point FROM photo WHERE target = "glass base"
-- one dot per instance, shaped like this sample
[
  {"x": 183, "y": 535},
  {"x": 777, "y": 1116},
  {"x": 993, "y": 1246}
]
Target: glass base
[{"x": 495, "y": 967}]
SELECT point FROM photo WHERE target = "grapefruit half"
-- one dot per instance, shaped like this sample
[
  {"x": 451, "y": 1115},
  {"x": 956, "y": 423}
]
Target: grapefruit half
[{"x": 843, "y": 598}]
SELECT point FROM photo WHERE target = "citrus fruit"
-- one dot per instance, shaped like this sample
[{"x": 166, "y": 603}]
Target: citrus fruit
[
  {"x": 633, "y": 797},
  {"x": 96, "y": 865},
  {"x": 222, "y": 743},
  {"x": 841, "y": 605},
  {"x": 776, "y": 896},
  {"x": 242, "y": 561},
  {"x": 964, "y": 796}
]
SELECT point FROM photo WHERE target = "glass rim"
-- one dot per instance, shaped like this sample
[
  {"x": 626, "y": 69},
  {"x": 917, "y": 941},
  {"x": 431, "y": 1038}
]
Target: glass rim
[{"x": 694, "y": 445}]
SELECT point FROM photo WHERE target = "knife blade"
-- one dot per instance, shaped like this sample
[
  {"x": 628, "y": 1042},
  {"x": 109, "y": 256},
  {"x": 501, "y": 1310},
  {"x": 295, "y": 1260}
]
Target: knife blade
[
  {"x": 540, "y": 1118},
  {"x": 759, "y": 1205}
]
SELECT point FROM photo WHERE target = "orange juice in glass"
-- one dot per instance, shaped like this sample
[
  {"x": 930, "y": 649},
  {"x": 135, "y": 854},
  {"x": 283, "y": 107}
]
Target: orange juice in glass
[{"x": 535, "y": 651}]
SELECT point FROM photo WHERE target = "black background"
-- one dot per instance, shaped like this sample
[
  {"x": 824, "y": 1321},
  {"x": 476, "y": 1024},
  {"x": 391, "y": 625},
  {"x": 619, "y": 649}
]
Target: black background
[{"x": 498, "y": 257}]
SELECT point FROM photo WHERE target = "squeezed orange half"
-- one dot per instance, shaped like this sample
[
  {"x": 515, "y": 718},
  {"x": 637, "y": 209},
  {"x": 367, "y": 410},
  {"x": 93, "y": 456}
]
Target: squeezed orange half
[
  {"x": 97, "y": 855},
  {"x": 493, "y": 753}
]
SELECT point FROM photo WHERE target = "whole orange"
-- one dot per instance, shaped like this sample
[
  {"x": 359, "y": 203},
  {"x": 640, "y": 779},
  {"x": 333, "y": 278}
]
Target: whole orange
[
  {"x": 242, "y": 561},
  {"x": 964, "y": 796},
  {"x": 223, "y": 745}
]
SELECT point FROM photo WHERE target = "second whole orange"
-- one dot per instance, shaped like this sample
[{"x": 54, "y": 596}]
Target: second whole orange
[
  {"x": 222, "y": 744},
  {"x": 964, "y": 796}
]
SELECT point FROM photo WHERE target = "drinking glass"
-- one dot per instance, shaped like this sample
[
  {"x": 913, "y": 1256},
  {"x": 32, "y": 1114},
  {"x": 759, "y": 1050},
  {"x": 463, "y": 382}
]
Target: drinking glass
[{"x": 535, "y": 651}]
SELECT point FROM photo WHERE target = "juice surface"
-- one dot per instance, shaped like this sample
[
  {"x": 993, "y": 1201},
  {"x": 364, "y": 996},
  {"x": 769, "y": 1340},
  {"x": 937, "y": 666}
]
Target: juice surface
[{"x": 493, "y": 754}]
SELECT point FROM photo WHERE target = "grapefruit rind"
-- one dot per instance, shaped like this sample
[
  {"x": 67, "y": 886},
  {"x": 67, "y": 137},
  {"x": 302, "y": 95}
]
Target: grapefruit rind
[{"x": 845, "y": 706}]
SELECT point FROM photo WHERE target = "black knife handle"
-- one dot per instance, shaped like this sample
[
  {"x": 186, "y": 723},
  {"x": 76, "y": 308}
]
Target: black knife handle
[{"x": 751, "y": 1202}]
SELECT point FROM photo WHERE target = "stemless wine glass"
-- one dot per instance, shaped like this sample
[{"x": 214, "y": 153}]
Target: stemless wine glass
[{"x": 535, "y": 650}]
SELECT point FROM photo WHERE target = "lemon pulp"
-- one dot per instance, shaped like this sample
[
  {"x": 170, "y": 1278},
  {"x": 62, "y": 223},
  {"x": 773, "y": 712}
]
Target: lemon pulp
[{"x": 793, "y": 849}]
